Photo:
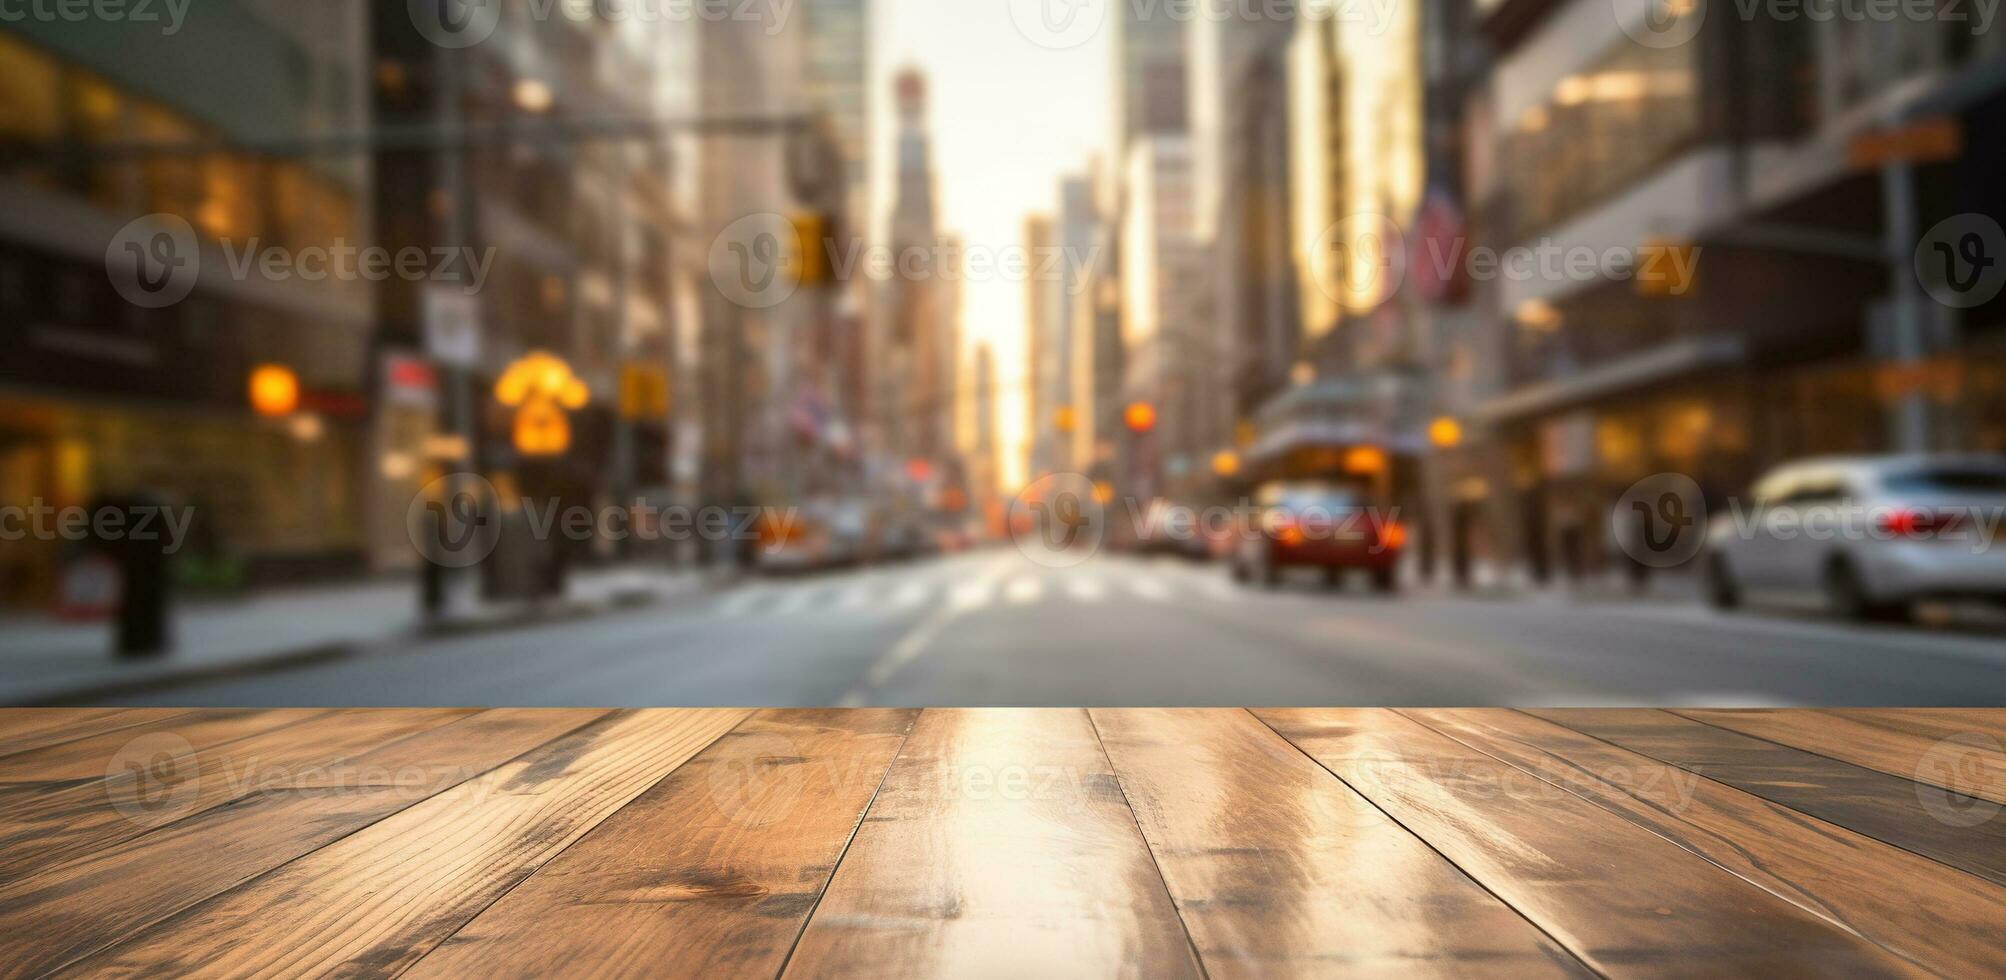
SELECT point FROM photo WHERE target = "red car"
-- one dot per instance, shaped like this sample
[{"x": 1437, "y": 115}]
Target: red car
[{"x": 1314, "y": 524}]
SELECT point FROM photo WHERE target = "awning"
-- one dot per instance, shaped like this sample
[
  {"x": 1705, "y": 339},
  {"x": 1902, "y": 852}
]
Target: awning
[{"x": 1663, "y": 363}]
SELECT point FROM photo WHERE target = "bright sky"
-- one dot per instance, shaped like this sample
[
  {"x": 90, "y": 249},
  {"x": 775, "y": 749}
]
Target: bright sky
[{"x": 1008, "y": 118}]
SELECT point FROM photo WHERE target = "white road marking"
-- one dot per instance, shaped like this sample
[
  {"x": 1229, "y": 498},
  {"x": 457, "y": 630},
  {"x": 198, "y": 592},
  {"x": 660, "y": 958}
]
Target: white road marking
[
  {"x": 741, "y": 602},
  {"x": 970, "y": 596},
  {"x": 795, "y": 601},
  {"x": 1023, "y": 589},
  {"x": 962, "y": 599},
  {"x": 909, "y": 594},
  {"x": 1219, "y": 588},
  {"x": 1086, "y": 589},
  {"x": 857, "y": 596}
]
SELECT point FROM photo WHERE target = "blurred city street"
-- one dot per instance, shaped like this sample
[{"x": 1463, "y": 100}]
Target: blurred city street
[{"x": 994, "y": 628}]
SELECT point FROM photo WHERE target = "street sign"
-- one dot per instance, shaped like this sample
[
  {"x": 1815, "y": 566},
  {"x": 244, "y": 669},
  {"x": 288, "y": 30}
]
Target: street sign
[
  {"x": 1929, "y": 140},
  {"x": 644, "y": 391},
  {"x": 452, "y": 326}
]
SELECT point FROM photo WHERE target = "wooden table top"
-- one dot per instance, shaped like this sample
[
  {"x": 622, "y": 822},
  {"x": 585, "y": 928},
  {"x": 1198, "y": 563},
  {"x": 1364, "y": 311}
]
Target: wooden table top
[{"x": 1002, "y": 842}]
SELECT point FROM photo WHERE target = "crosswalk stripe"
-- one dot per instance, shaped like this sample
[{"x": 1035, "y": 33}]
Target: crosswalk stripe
[
  {"x": 973, "y": 595},
  {"x": 795, "y": 601},
  {"x": 1086, "y": 589},
  {"x": 857, "y": 596},
  {"x": 910, "y": 594},
  {"x": 1024, "y": 589},
  {"x": 741, "y": 603}
]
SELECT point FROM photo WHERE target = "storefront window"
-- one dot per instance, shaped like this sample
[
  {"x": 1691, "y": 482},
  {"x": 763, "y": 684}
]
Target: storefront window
[
  {"x": 1600, "y": 130},
  {"x": 30, "y": 101},
  {"x": 172, "y": 181},
  {"x": 97, "y": 117}
]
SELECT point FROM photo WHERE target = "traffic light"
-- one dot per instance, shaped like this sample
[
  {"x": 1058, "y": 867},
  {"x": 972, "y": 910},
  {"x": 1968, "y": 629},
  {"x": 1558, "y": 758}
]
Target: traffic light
[{"x": 811, "y": 248}]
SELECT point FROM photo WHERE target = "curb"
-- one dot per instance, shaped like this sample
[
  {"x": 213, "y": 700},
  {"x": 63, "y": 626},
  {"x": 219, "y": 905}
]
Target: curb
[{"x": 326, "y": 653}]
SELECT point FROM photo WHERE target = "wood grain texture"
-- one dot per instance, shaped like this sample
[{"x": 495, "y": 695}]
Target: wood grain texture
[
  {"x": 1621, "y": 898},
  {"x": 57, "y": 916},
  {"x": 377, "y": 900},
  {"x": 154, "y": 783},
  {"x": 1930, "y": 722},
  {"x": 83, "y": 759},
  {"x": 999, "y": 845},
  {"x": 23, "y": 729},
  {"x": 1973, "y": 765},
  {"x": 1902, "y": 901},
  {"x": 711, "y": 873},
  {"x": 1311, "y": 881},
  {"x": 1964, "y": 833}
]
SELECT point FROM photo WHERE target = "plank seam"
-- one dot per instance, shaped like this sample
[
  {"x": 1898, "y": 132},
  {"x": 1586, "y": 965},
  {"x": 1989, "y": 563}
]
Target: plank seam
[
  {"x": 188, "y": 910},
  {"x": 1821, "y": 913},
  {"x": 842, "y": 855},
  {"x": 1822, "y": 754},
  {"x": 546, "y": 862},
  {"x": 1799, "y": 813},
  {"x": 1430, "y": 845},
  {"x": 60, "y": 742},
  {"x": 1147, "y": 848}
]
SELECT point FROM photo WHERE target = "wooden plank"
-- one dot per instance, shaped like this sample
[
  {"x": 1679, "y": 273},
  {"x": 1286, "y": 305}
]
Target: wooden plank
[
  {"x": 377, "y": 900},
  {"x": 1973, "y": 765},
  {"x": 1902, "y": 901},
  {"x": 1962, "y": 832},
  {"x": 197, "y": 731},
  {"x": 159, "y": 783},
  {"x": 53, "y": 918},
  {"x": 1279, "y": 869},
  {"x": 23, "y": 729},
  {"x": 711, "y": 873},
  {"x": 1621, "y": 898},
  {"x": 1932, "y": 722},
  {"x": 999, "y": 845}
]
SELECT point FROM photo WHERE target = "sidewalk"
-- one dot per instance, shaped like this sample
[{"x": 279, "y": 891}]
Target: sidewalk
[{"x": 43, "y": 659}]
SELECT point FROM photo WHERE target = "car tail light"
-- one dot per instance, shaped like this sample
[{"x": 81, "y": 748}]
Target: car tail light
[{"x": 1912, "y": 523}]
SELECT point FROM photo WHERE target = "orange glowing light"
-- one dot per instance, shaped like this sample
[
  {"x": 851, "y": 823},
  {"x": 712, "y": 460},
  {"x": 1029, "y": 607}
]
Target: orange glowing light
[
  {"x": 1446, "y": 433},
  {"x": 275, "y": 390},
  {"x": 1365, "y": 461},
  {"x": 1065, "y": 419},
  {"x": 1140, "y": 417},
  {"x": 1226, "y": 463}
]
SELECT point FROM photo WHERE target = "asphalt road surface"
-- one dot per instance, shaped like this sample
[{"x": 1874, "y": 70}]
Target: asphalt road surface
[{"x": 994, "y": 628}]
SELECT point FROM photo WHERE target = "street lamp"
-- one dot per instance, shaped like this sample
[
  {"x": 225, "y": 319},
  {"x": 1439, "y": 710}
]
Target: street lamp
[
  {"x": 275, "y": 391},
  {"x": 1445, "y": 433}
]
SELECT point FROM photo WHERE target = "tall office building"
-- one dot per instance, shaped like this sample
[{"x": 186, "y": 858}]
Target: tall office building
[{"x": 913, "y": 333}]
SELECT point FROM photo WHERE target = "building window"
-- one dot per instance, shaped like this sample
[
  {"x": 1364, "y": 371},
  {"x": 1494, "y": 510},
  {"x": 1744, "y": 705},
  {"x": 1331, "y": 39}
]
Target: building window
[{"x": 1600, "y": 130}]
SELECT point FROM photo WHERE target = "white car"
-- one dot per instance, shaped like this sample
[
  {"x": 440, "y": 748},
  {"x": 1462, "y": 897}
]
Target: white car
[{"x": 1866, "y": 536}]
